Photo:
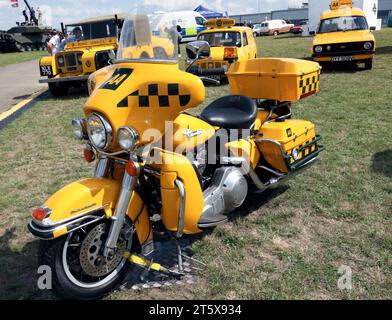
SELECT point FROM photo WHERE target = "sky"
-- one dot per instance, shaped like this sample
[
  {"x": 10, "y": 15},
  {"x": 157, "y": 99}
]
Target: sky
[{"x": 66, "y": 11}]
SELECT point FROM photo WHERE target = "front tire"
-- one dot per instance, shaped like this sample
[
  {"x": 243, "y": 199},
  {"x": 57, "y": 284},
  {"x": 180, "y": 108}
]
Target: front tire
[
  {"x": 58, "y": 89},
  {"x": 369, "y": 64},
  {"x": 59, "y": 255}
]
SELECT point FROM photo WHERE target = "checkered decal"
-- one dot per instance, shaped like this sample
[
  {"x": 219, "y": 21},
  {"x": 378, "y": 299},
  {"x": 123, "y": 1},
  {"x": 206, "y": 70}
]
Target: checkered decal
[
  {"x": 305, "y": 151},
  {"x": 161, "y": 95},
  {"x": 309, "y": 85}
]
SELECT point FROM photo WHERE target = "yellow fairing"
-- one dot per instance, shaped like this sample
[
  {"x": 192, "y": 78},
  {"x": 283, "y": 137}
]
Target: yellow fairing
[
  {"x": 176, "y": 166},
  {"x": 144, "y": 96},
  {"x": 190, "y": 132},
  {"x": 90, "y": 195},
  {"x": 245, "y": 149}
]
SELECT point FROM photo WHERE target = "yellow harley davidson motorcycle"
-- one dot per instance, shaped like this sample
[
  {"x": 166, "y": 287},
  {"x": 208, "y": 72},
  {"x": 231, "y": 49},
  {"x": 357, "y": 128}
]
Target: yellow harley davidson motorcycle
[{"x": 160, "y": 170}]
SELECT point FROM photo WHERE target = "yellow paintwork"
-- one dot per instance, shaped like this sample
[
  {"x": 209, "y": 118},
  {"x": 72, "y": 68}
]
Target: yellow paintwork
[
  {"x": 246, "y": 149},
  {"x": 147, "y": 50},
  {"x": 220, "y": 23},
  {"x": 216, "y": 59},
  {"x": 88, "y": 48},
  {"x": 336, "y": 4},
  {"x": 89, "y": 195},
  {"x": 290, "y": 134},
  {"x": 184, "y": 123},
  {"x": 343, "y": 36},
  {"x": 175, "y": 166},
  {"x": 274, "y": 79},
  {"x": 106, "y": 101}
]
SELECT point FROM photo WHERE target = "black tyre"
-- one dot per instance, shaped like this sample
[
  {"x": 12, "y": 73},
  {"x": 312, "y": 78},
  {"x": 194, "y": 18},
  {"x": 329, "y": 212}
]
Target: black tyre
[
  {"x": 58, "y": 89},
  {"x": 71, "y": 264},
  {"x": 369, "y": 64},
  {"x": 276, "y": 33}
]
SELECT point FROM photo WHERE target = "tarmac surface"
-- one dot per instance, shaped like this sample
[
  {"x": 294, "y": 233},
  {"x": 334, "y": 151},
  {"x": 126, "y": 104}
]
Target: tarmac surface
[{"x": 18, "y": 82}]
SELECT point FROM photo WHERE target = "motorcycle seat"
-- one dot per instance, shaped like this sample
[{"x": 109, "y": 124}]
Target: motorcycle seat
[{"x": 231, "y": 112}]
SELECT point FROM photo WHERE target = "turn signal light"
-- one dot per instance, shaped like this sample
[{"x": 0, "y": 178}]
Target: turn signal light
[
  {"x": 132, "y": 168},
  {"x": 231, "y": 53},
  {"x": 88, "y": 155},
  {"x": 40, "y": 214}
]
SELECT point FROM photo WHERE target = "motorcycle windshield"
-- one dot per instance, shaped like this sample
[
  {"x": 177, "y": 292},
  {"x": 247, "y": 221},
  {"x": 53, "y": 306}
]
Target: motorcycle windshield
[{"x": 149, "y": 37}]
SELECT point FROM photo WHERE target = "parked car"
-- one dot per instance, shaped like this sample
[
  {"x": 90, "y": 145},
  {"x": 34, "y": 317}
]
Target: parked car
[
  {"x": 257, "y": 30},
  {"x": 298, "y": 28},
  {"x": 275, "y": 27},
  {"x": 191, "y": 24}
]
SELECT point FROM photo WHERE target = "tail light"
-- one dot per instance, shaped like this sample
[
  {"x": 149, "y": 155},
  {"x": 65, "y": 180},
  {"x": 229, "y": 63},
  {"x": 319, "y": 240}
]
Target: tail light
[
  {"x": 231, "y": 53},
  {"x": 40, "y": 213}
]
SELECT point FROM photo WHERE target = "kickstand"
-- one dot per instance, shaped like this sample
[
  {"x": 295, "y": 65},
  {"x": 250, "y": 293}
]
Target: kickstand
[{"x": 179, "y": 256}]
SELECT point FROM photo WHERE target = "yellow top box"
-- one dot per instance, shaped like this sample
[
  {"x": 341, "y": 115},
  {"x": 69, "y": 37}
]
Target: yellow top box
[{"x": 284, "y": 80}]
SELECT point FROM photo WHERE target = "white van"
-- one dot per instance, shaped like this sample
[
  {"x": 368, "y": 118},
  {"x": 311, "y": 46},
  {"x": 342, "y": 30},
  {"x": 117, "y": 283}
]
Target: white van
[
  {"x": 275, "y": 27},
  {"x": 191, "y": 23}
]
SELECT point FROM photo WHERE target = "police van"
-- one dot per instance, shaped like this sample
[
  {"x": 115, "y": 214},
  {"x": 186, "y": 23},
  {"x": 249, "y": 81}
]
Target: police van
[{"x": 191, "y": 23}]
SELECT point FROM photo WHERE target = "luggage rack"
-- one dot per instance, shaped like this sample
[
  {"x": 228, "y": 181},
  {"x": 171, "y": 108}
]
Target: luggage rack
[
  {"x": 305, "y": 160},
  {"x": 282, "y": 109}
]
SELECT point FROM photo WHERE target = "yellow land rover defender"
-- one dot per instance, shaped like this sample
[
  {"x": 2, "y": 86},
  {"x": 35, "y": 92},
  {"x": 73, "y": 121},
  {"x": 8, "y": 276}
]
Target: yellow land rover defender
[
  {"x": 344, "y": 35},
  {"x": 228, "y": 44},
  {"x": 85, "y": 50}
]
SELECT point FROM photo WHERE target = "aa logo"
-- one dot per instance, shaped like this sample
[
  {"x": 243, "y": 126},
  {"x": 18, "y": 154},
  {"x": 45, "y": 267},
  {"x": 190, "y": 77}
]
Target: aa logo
[
  {"x": 118, "y": 78},
  {"x": 45, "y": 280}
]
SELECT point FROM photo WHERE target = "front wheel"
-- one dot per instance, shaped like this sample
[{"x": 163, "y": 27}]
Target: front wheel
[
  {"x": 58, "y": 89},
  {"x": 369, "y": 64},
  {"x": 79, "y": 271}
]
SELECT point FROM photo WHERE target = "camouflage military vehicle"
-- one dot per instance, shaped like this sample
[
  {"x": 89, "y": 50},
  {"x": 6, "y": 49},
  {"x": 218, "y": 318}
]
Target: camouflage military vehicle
[{"x": 25, "y": 36}]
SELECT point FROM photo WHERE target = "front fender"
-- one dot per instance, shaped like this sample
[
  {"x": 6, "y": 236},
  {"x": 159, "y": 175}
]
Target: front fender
[{"x": 84, "y": 199}]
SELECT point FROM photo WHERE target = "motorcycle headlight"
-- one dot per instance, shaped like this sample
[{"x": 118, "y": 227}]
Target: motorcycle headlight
[
  {"x": 80, "y": 129},
  {"x": 127, "y": 138},
  {"x": 100, "y": 132},
  {"x": 368, "y": 45},
  {"x": 318, "y": 49}
]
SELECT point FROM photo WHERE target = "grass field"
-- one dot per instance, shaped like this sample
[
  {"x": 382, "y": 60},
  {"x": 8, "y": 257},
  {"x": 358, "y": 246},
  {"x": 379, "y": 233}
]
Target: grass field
[
  {"x": 287, "y": 244},
  {"x": 17, "y": 57}
]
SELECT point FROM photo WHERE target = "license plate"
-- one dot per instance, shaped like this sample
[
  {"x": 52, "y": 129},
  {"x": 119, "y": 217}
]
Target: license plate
[
  {"x": 339, "y": 59},
  {"x": 46, "y": 71}
]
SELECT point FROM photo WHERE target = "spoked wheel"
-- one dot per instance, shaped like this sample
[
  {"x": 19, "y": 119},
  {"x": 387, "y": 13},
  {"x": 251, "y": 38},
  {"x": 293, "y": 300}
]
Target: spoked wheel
[{"x": 79, "y": 269}]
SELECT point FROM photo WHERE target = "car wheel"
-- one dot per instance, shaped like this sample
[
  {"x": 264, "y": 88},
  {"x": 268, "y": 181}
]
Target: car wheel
[
  {"x": 58, "y": 89},
  {"x": 369, "y": 64},
  {"x": 276, "y": 33}
]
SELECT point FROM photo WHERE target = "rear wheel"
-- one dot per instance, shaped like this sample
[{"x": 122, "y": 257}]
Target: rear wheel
[
  {"x": 276, "y": 33},
  {"x": 79, "y": 271},
  {"x": 58, "y": 89},
  {"x": 369, "y": 64}
]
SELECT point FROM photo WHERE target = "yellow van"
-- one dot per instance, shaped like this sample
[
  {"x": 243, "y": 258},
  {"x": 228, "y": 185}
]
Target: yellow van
[
  {"x": 344, "y": 35},
  {"x": 228, "y": 43}
]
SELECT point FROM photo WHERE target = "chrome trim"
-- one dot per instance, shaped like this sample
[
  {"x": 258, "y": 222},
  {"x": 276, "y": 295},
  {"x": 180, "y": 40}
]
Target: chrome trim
[
  {"x": 108, "y": 130},
  {"x": 65, "y": 79},
  {"x": 181, "y": 215},
  {"x": 48, "y": 224},
  {"x": 128, "y": 187},
  {"x": 59, "y": 227},
  {"x": 102, "y": 168}
]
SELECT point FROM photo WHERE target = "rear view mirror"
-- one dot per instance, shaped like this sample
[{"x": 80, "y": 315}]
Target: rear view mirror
[
  {"x": 372, "y": 28},
  {"x": 312, "y": 33},
  {"x": 198, "y": 49}
]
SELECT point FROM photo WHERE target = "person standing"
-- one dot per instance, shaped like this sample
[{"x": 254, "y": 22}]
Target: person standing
[
  {"x": 33, "y": 18},
  {"x": 39, "y": 15},
  {"x": 25, "y": 16},
  {"x": 55, "y": 43}
]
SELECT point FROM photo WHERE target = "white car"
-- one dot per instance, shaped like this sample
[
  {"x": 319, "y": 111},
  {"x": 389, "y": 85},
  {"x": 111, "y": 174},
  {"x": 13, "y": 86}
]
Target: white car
[
  {"x": 257, "y": 30},
  {"x": 275, "y": 27}
]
